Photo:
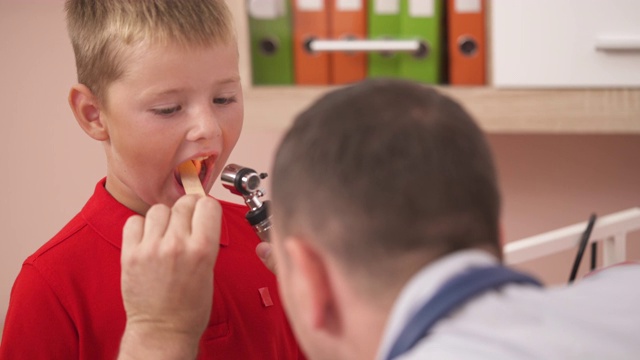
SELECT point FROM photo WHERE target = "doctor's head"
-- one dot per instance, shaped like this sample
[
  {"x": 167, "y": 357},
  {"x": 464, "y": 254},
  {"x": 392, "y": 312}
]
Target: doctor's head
[{"x": 371, "y": 183}]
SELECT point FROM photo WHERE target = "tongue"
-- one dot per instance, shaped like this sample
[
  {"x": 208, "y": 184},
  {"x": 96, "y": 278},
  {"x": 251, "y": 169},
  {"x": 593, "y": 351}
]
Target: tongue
[{"x": 190, "y": 180}]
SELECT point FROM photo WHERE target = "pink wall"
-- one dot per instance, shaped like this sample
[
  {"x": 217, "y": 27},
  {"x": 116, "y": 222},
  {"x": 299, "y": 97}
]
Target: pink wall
[
  {"x": 551, "y": 181},
  {"x": 50, "y": 166}
]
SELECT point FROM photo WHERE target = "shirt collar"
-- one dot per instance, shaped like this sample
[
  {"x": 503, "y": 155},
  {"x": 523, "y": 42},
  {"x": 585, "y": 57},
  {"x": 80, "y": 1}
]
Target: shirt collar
[
  {"x": 107, "y": 216},
  {"x": 423, "y": 285}
]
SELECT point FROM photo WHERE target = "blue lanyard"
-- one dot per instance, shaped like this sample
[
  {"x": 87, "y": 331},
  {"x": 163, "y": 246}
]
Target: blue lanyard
[{"x": 453, "y": 294}]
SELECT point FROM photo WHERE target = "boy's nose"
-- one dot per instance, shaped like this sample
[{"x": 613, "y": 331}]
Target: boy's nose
[{"x": 205, "y": 127}]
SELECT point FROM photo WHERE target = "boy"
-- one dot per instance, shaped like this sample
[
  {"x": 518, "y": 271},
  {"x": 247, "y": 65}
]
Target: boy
[
  {"x": 394, "y": 251},
  {"x": 158, "y": 86}
]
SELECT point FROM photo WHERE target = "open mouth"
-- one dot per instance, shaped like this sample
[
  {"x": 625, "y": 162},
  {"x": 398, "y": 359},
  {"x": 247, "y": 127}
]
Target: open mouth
[{"x": 201, "y": 165}]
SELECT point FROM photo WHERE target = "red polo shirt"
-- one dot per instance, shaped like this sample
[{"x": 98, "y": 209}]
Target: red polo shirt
[{"x": 66, "y": 302}]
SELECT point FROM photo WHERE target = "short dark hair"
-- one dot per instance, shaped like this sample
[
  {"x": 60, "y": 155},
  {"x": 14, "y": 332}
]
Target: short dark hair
[{"x": 386, "y": 168}]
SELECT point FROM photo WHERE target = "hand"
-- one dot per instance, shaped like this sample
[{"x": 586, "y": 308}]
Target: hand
[
  {"x": 263, "y": 250},
  {"x": 167, "y": 277}
]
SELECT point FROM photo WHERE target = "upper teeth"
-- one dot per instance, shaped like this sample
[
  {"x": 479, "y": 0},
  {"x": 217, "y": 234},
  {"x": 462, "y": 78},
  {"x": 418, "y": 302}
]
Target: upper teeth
[{"x": 201, "y": 158}]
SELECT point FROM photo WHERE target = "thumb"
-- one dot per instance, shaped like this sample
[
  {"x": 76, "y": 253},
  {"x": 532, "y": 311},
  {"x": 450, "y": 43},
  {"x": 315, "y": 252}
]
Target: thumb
[{"x": 263, "y": 250}]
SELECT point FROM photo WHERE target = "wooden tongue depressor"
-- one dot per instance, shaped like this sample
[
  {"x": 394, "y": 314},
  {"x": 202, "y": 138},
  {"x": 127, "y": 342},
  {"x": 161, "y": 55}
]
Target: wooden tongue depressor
[{"x": 190, "y": 180}]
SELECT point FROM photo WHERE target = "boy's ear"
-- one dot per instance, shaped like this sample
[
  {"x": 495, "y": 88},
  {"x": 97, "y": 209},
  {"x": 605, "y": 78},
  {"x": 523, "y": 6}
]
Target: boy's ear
[
  {"x": 86, "y": 108},
  {"x": 314, "y": 288}
]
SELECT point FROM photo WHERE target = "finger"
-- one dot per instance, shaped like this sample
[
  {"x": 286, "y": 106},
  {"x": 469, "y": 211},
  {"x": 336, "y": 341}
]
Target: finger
[
  {"x": 132, "y": 234},
  {"x": 206, "y": 224},
  {"x": 181, "y": 214},
  {"x": 156, "y": 222},
  {"x": 263, "y": 250}
]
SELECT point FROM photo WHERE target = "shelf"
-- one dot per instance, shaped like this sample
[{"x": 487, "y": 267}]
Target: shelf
[
  {"x": 568, "y": 111},
  {"x": 497, "y": 111}
]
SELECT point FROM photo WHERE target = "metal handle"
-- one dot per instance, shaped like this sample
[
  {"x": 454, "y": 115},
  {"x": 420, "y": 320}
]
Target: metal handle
[
  {"x": 317, "y": 45},
  {"x": 618, "y": 43}
]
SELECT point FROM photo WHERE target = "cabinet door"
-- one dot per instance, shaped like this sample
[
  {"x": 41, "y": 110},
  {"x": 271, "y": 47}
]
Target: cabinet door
[{"x": 565, "y": 43}]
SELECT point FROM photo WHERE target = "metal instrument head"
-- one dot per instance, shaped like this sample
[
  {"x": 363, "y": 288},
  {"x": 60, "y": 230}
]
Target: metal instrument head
[{"x": 241, "y": 180}]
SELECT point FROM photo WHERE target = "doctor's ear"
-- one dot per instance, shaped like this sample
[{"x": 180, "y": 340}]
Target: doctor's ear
[
  {"x": 86, "y": 109},
  {"x": 313, "y": 286}
]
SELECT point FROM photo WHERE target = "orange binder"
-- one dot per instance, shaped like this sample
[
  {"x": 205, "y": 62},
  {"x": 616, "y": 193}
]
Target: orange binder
[
  {"x": 348, "y": 20},
  {"x": 310, "y": 21},
  {"x": 466, "y": 42}
]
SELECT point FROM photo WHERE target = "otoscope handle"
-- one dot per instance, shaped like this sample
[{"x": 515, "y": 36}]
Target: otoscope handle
[{"x": 260, "y": 220}]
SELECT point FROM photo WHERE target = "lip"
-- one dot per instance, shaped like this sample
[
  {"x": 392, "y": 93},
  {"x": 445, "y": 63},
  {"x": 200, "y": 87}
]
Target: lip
[{"x": 208, "y": 163}]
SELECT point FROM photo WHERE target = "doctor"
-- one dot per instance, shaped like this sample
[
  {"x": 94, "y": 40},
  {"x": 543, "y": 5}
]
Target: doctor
[{"x": 386, "y": 237}]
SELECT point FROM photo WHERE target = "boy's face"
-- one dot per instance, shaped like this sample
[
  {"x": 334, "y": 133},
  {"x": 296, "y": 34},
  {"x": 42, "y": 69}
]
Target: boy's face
[{"x": 172, "y": 104}]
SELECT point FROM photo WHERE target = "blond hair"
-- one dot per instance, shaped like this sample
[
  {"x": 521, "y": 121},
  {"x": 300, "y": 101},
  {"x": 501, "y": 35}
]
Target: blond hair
[{"x": 100, "y": 31}]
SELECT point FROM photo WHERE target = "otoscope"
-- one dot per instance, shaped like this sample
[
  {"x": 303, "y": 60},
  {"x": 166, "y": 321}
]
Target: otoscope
[{"x": 245, "y": 182}]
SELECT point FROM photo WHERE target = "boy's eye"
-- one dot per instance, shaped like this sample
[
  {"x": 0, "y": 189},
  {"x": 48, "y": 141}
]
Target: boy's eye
[
  {"x": 167, "y": 111},
  {"x": 223, "y": 100}
]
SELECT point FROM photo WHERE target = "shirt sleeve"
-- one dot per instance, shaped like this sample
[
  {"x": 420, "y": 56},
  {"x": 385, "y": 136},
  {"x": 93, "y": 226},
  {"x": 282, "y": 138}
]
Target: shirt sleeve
[{"x": 37, "y": 325}]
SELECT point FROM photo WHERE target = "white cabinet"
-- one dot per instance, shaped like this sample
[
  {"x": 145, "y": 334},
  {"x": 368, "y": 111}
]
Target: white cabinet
[{"x": 565, "y": 43}]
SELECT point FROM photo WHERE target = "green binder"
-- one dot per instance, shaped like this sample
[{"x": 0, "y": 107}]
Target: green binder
[
  {"x": 422, "y": 20},
  {"x": 270, "y": 32},
  {"x": 383, "y": 22}
]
